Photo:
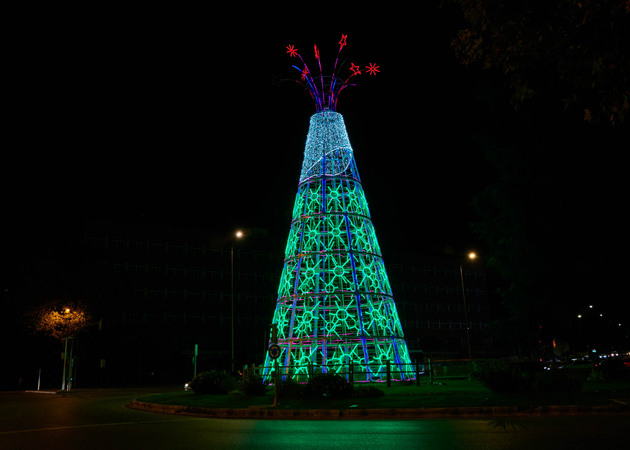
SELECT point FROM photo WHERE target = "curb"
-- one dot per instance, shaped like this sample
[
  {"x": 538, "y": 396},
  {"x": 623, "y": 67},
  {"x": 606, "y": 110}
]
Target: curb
[{"x": 381, "y": 413}]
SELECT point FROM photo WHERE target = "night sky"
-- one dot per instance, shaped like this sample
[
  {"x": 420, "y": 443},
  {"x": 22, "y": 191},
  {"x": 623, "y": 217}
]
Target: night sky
[
  {"x": 190, "y": 122},
  {"x": 184, "y": 118},
  {"x": 192, "y": 118}
]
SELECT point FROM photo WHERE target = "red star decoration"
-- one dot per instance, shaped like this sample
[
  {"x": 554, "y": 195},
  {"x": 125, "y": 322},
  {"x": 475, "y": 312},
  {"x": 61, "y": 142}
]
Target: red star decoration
[
  {"x": 342, "y": 42},
  {"x": 304, "y": 73},
  {"x": 372, "y": 68},
  {"x": 356, "y": 70},
  {"x": 292, "y": 51}
]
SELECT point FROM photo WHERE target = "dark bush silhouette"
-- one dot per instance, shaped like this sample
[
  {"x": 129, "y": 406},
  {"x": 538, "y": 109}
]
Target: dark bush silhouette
[
  {"x": 253, "y": 385},
  {"x": 212, "y": 382},
  {"x": 328, "y": 385}
]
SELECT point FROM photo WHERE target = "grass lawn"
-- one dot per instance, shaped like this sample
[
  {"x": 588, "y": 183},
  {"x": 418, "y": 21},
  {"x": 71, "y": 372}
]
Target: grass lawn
[{"x": 447, "y": 393}]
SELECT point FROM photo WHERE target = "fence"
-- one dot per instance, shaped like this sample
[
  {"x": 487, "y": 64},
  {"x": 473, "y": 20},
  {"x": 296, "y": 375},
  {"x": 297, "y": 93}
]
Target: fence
[{"x": 387, "y": 372}]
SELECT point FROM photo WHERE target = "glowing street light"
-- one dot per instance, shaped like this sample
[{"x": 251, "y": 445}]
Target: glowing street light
[
  {"x": 63, "y": 321},
  {"x": 238, "y": 235},
  {"x": 472, "y": 256}
]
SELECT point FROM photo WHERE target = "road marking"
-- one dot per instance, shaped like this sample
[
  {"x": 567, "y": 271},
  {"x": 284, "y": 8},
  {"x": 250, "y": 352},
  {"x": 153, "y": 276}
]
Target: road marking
[{"x": 70, "y": 427}]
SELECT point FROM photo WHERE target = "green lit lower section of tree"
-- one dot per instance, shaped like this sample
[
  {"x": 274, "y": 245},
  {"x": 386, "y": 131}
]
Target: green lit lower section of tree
[{"x": 335, "y": 306}]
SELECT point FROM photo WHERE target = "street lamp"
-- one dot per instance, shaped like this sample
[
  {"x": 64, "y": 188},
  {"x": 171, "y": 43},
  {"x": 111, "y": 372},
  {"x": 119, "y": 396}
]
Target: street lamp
[
  {"x": 471, "y": 256},
  {"x": 64, "y": 382},
  {"x": 237, "y": 235},
  {"x": 65, "y": 358}
]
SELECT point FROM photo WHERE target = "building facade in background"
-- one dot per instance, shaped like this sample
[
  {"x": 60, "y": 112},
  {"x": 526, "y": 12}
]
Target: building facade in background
[{"x": 164, "y": 290}]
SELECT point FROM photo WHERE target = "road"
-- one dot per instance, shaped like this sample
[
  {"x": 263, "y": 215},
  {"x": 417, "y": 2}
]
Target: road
[{"x": 97, "y": 419}]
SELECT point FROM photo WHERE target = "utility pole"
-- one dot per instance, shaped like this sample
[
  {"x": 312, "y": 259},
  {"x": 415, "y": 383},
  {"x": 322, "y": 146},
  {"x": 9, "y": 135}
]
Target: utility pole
[{"x": 466, "y": 324}]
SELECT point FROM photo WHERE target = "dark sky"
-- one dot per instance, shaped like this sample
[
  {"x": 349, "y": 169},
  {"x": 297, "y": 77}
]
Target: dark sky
[
  {"x": 181, "y": 119},
  {"x": 177, "y": 116}
]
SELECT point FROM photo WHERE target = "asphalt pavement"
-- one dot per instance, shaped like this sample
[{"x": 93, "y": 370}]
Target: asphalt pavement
[{"x": 101, "y": 419}]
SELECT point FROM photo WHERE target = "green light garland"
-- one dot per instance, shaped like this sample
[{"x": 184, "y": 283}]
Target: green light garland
[{"x": 335, "y": 305}]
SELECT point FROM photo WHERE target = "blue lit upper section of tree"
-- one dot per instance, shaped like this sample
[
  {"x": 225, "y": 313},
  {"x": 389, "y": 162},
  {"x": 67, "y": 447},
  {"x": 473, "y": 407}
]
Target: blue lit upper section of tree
[{"x": 328, "y": 150}]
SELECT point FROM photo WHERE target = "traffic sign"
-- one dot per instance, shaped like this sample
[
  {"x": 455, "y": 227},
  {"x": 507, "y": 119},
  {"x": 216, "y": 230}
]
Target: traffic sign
[{"x": 274, "y": 351}]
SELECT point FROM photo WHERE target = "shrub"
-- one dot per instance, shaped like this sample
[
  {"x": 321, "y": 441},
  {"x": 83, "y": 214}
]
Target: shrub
[
  {"x": 328, "y": 385},
  {"x": 288, "y": 388},
  {"x": 253, "y": 385},
  {"x": 212, "y": 382},
  {"x": 557, "y": 381},
  {"x": 506, "y": 377},
  {"x": 367, "y": 392}
]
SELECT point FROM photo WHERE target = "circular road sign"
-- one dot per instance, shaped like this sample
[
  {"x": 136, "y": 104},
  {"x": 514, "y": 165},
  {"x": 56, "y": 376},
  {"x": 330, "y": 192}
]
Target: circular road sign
[{"x": 274, "y": 351}]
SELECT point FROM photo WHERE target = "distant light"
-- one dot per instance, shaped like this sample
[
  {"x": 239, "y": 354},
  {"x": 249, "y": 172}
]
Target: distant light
[
  {"x": 239, "y": 234},
  {"x": 579, "y": 316},
  {"x": 67, "y": 310},
  {"x": 472, "y": 255},
  {"x": 590, "y": 306}
]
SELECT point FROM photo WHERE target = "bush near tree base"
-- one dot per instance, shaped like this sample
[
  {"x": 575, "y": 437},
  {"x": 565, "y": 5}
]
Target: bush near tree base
[
  {"x": 367, "y": 392},
  {"x": 510, "y": 378},
  {"x": 505, "y": 378},
  {"x": 253, "y": 385},
  {"x": 290, "y": 389},
  {"x": 213, "y": 382},
  {"x": 328, "y": 385}
]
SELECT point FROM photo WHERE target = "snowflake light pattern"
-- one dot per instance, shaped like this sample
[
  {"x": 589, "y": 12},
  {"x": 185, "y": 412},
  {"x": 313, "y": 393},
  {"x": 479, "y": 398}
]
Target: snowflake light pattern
[
  {"x": 292, "y": 51},
  {"x": 372, "y": 69}
]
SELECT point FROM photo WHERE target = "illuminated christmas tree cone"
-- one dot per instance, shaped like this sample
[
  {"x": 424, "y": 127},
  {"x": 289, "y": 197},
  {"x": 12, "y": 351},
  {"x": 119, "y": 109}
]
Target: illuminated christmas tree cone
[
  {"x": 335, "y": 310},
  {"x": 335, "y": 306}
]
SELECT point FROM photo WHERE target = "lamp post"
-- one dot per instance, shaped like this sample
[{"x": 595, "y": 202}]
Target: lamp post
[
  {"x": 237, "y": 235},
  {"x": 471, "y": 256},
  {"x": 65, "y": 357}
]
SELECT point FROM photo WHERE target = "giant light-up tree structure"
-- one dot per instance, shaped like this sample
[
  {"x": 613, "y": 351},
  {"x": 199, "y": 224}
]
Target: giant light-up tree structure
[{"x": 335, "y": 307}]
